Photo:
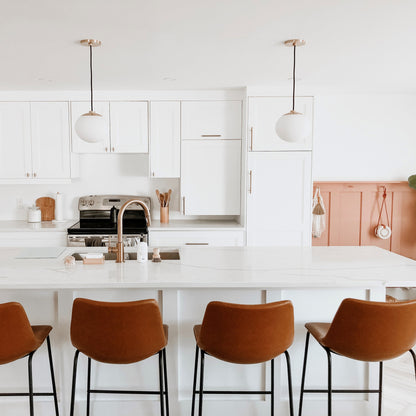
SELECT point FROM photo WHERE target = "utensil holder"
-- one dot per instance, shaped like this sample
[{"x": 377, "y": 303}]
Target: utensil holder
[{"x": 164, "y": 215}]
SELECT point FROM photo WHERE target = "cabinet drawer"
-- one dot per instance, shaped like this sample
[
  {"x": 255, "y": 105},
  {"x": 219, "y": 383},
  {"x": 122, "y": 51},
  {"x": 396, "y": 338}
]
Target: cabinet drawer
[
  {"x": 33, "y": 239},
  {"x": 210, "y": 238},
  {"x": 211, "y": 120}
]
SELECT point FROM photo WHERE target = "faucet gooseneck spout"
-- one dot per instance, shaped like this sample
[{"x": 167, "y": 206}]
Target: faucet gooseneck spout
[{"x": 119, "y": 249}]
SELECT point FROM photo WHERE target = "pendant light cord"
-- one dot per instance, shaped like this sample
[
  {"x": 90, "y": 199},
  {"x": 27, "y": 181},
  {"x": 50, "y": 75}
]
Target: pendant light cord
[
  {"x": 294, "y": 77},
  {"x": 92, "y": 108}
]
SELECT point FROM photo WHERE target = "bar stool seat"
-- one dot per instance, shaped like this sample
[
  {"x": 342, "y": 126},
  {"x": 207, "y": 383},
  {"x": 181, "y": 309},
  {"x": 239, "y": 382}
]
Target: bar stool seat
[
  {"x": 18, "y": 339},
  {"x": 119, "y": 333},
  {"x": 365, "y": 331},
  {"x": 244, "y": 334}
]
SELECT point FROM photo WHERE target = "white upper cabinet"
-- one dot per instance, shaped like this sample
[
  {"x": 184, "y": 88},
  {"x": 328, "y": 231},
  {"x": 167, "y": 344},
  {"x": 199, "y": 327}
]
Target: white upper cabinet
[
  {"x": 15, "y": 143},
  {"x": 211, "y": 119},
  {"x": 279, "y": 199},
  {"x": 210, "y": 181},
  {"x": 165, "y": 139},
  {"x": 50, "y": 140},
  {"x": 263, "y": 115},
  {"x": 80, "y": 146},
  {"x": 129, "y": 127}
]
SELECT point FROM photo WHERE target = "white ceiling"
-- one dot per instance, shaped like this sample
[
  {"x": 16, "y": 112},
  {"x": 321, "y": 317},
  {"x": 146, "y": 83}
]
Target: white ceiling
[{"x": 352, "y": 45}]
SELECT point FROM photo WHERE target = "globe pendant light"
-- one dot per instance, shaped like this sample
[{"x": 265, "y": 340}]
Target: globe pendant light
[
  {"x": 91, "y": 127},
  {"x": 292, "y": 126}
]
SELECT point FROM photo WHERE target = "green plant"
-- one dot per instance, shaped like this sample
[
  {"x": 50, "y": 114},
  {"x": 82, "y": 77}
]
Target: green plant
[{"x": 412, "y": 181}]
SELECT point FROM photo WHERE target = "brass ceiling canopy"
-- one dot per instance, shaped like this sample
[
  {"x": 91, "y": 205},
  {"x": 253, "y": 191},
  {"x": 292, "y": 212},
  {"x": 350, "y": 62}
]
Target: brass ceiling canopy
[
  {"x": 90, "y": 42},
  {"x": 294, "y": 42}
]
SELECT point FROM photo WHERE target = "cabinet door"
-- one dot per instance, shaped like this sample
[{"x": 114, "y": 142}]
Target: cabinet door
[
  {"x": 129, "y": 131},
  {"x": 210, "y": 181},
  {"x": 78, "y": 145},
  {"x": 15, "y": 156},
  {"x": 263, "y": 115},
  {"x": 279, "y": 199},
  {"x": 165, "y": 140},
  {"x": 50, "y": 140},
  {"x": 211, "y": 119}
]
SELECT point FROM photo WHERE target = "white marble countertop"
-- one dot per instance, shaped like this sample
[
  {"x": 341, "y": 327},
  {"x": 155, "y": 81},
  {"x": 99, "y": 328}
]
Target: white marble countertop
[
  {"x": 44, "y": 226},
  {"x": 189, "y": 225},
  {"x": 218, "y": 267},
  {"x": 174, "y": 225}
]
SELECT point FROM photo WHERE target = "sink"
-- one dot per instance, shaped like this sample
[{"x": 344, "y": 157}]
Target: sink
[{"x": 164, "y": 255}]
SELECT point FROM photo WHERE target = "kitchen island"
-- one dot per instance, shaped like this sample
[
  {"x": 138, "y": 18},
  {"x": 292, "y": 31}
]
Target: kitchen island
[{"x": 314, "y": 279}]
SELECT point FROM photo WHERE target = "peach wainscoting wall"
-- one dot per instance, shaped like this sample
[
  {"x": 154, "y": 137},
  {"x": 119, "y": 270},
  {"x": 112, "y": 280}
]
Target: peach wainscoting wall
[{"x": 353, "y": 209}]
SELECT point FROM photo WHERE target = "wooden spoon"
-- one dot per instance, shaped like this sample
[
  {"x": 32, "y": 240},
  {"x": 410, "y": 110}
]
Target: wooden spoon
[
  {"x": 158, "y": 195},
  {"x": 166, "y": 199},
  {"x": 162, "y": 197},
  {"x": 169, "y": 194}
]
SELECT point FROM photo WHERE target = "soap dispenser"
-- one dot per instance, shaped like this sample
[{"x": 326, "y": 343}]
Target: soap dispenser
[{"x": 142, "y": 251}]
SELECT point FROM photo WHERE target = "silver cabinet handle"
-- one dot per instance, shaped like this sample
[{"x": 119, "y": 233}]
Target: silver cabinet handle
[
  {"x": 153, "y": 174},
  {"x": 113, "y": 149},
  {"x": 251, "y": 138},
  {"x": 210, "y": 135},
  {"x": 250, "y": 190},
  {"x": 106, "y": 149},
  {"x": 28, "y": 174},
  {"x": 183, "y": 205},
  {"x": 196, "y": 244},
  {"x": 34, "y": 174}
]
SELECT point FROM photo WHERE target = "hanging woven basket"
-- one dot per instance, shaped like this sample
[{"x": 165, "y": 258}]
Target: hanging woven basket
[{"x": 318, "y": 214}]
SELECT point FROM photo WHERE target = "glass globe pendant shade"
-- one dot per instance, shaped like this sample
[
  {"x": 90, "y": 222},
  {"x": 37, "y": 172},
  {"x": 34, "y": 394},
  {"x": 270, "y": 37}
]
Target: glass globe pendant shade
[
  {"x": 91, "y": 127},
  {"x": 292, "y": 127}
]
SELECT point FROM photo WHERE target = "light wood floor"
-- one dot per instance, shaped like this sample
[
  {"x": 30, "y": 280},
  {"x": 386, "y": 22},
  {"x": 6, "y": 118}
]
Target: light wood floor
[{"x": 399, "y": 394}]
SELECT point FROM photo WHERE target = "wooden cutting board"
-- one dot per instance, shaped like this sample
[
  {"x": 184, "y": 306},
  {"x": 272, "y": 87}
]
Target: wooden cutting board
[{"x": 47, "y": 208}]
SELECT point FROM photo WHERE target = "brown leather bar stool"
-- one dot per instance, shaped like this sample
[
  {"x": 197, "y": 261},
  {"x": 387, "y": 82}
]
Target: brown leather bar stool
[
  {"x": 119, "y": 333},
  {"x": 17, "y": 340},
  {"x": 364, "y": 331},
  {"x": 244, "y": 334}
]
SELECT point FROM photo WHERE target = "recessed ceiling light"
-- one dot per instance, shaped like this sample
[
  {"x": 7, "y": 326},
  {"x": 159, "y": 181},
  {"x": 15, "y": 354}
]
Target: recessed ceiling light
[{"x": 168, "y": 79}]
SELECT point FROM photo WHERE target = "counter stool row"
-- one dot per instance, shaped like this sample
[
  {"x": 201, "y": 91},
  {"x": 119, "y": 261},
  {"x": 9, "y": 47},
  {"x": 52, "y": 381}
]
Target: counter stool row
[{"x": 129, "y": 332}]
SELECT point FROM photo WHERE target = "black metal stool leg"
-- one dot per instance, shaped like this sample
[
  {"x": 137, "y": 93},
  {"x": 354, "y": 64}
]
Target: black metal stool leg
[
  {"x": 201, "y": 382},
  {"x": 289, "y": 381},
  {"x": 195, "y": 377},
  {"x": 29, "y": 366},
  {"x": 74, "y": 382},
  {"x": 88, "y": 386},
  {"x": 272, "y": 388},
  {"x": 161, "y": 395},
  {"x": 380, "y": 387},
  {"x": 55, "y": 397},
  {"x": 165, "y": 376},
  {"x": 412, "y": 353},
  {"x": 328, "y": 353},
  {"x": 302, "y": 386}
]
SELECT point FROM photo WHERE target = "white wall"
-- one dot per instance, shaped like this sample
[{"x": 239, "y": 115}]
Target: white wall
[
  {"x": 99, "y": 174},
  {"x": 364, "y": 137}
]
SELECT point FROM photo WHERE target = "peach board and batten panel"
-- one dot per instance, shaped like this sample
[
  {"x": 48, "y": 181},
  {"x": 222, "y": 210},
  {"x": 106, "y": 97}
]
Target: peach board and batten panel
[{"x": 353, "y": 210}]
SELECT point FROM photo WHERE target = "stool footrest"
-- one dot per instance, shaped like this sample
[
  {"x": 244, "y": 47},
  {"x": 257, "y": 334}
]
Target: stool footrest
[
  {"x": 233, "y": 392},
  {"x": 340, "y": 391},
  {"x": 125, "y": 391}
]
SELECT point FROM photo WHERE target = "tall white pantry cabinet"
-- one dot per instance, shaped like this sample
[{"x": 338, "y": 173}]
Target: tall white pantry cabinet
[{"x": 279, "y": 182}]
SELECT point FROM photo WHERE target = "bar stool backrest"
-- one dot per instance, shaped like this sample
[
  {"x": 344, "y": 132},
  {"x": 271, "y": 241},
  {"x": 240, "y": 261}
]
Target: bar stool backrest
[
  {"x": 372, "y": 331},
  {"x": 16, "y": 334},
  {"x": 247, "y": 334},
  {"x": 117, "y": 332}
]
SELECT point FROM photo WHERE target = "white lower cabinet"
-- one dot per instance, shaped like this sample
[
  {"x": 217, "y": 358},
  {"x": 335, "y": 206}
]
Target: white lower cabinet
[
  {"x": 198, "y": 238},
  {"x": 210, "y": 177},
  {"x": 279, "y": 199},
  {"x": 33, "y": 239}
]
